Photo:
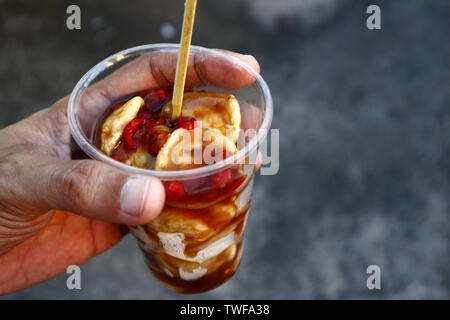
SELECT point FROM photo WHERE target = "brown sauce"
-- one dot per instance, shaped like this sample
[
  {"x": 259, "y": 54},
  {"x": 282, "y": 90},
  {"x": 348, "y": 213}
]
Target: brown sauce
[{"x": 213, "y": 206}]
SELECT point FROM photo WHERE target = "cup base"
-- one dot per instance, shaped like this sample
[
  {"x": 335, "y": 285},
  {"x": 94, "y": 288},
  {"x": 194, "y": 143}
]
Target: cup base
[{"x": 205, "y": 283}]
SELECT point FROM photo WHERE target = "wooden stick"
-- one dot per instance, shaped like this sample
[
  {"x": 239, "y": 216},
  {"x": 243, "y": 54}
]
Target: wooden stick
[{"x": 183, "y": 58}]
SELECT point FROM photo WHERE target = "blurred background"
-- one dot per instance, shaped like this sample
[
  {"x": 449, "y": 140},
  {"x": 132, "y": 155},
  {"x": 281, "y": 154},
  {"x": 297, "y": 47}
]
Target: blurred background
[{"x": 364, "y": 119}]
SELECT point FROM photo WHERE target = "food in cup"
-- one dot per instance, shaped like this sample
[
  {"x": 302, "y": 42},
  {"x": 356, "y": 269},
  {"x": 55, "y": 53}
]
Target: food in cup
[
  {"x": 195, "y": 244},
  {"x": 194, "y": 190}
]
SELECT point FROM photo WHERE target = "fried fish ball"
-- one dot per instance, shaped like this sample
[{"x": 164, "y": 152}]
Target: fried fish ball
[
  {"x": 172, "y": 220},
  {"x": 188, "y": 149},
  {"x": 214, "y": 110},
  {"x": 141, "y": 159},
  {"x": 199, "y": 248},
  {"x": 115, "y": 123},
  {"x": 216, "y": 262},
  {"x": 192, "y": 269}
]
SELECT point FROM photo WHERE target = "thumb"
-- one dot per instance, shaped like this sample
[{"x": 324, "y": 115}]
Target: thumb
[
  {"x": 96, "y": 190},
  {"x": 88, "y": 188}
]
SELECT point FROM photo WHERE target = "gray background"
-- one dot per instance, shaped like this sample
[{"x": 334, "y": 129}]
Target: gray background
[{"x": 365, "y": 123}]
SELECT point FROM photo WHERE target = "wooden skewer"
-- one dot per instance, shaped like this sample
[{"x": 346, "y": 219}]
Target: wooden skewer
[{"x": 183, "y": 58}]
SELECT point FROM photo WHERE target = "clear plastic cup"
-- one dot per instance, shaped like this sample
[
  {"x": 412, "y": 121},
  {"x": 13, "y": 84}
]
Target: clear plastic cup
[{"x": 196, "y": 243}]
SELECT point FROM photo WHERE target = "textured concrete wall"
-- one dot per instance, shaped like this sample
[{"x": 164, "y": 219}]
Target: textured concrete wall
[{"x": 364, "y": 122}]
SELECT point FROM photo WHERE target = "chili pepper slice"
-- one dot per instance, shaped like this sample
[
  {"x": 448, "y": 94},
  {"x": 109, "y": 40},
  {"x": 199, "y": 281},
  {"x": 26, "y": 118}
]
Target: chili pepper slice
[
  {"x": 222, "y": 178},
  {"x": 186, "y": 123},
  {"x": 157, "y": 139},
  {"x": 152, "y": 102},
  {"x": 129, "y": 133},
  {"x": 155, "y": 120},
  {"x": 145, "y": 114},
  {"x": 148, "y": 91},
  {"x": 236, "y": 184},
  {"x": 174, "y": 190},
  {"x": 219, "y": 193},
  {"x": 163, "y": 93}
]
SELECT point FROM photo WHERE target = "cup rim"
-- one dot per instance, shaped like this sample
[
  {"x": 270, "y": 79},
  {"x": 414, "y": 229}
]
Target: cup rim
[{"x": 86, "y": 145}]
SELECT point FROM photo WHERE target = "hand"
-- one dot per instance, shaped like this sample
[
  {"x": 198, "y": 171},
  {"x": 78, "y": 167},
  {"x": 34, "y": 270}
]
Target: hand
[{"x": 55, "y": 211}]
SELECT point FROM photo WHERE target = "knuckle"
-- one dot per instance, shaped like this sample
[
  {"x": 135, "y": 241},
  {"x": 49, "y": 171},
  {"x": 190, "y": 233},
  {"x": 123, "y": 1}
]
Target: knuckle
[
  {"x": 10, "y": 170},
  {"x": 78, "y": 184},
  {"x": 161, "y": 68}
]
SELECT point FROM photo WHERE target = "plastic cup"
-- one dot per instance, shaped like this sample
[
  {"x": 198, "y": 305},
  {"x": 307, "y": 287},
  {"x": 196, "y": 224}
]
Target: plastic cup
[{"x": 196, "y": 243}]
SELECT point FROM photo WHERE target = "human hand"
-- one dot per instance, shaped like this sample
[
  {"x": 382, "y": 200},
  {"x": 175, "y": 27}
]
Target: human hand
[{"x": 55, "y": 211}]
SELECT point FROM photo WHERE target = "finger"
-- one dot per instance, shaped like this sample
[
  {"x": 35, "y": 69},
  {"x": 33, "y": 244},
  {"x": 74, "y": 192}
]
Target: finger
[
  {"x": 258, "y": 161},
  {"x": 85, "y": 187},
  {"x": 251, "y": 116},
  {"x": 158, "y": 70},
  {"x": 249, "y": 59}
]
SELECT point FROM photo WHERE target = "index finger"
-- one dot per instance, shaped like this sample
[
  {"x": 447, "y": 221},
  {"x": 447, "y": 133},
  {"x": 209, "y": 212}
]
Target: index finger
[
  {"x": 158, "y": 69},
  {"x": 155, "y": 70}
]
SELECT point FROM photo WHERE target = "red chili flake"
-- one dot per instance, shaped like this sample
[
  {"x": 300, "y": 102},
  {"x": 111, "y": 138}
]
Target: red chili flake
[
  {"x": 174, "y": 190},
  {"x": 152, "y": 102},
  {"x": 117, "y": 106},
  {"x": 115, "y": 158},
  {"x": 235, "y": 185},
  {"x": 129, "y": 133},
  {"x": 222, "y": 177},
  {"x": 155, "y": 120},
  {"x": 197, "y": 185},
  {"x": 186, "y": 123},
  {"x": 151, "y": 98},
  {"x": 157, "y": 140},
  {"x": 218, "y": 193},
  {"x": 163, "y": 93},
  {"x": 145, "y": 114},
  {"x": 148, "y": 91}
]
